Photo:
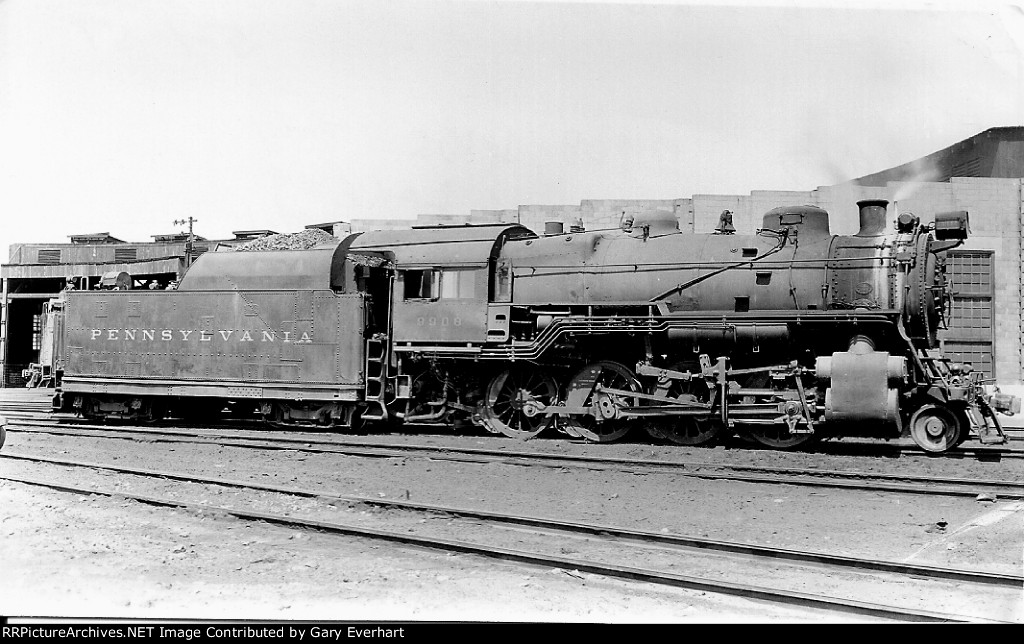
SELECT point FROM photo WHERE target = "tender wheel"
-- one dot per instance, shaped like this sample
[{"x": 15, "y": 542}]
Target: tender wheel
[
  {"x": 3, "y": 431},
  {"x": 89, "y": 410},
  {"x": 509, "y": 395},
  {"x": 935, "y": 428},
  {"x": 778, "y": 436},
  {"x": 582, "y": 392},
  {"x": 355, "y": 419},
  {"x": 275, "y": 416},
  {"x": 149, "y": 412}
]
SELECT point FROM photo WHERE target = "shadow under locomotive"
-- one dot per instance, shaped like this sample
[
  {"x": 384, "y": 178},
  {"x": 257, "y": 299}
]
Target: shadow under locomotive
[{"x": 784, "y": 335}]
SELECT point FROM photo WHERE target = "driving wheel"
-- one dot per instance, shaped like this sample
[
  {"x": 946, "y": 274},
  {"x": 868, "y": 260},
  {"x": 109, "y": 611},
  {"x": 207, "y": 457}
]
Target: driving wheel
[
  {"x": 587, "y": 389},
  {"x": 514, "y": 398}
]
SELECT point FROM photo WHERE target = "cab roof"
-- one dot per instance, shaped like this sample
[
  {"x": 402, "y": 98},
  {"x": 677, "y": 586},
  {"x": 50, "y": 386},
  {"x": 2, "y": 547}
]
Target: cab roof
[{"x": 437, "y": 246}]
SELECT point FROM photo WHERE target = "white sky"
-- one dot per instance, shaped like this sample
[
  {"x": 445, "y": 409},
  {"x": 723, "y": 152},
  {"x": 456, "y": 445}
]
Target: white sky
[{"x": 124, "y": 115}]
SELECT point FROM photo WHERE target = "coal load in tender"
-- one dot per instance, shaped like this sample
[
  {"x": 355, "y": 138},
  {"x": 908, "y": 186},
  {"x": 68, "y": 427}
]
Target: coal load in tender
[{"x": 292, "y": 241}]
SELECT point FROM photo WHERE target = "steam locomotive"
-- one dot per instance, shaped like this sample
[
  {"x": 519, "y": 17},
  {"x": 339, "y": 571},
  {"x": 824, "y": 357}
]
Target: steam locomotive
[{"x": 787, "y": 334}]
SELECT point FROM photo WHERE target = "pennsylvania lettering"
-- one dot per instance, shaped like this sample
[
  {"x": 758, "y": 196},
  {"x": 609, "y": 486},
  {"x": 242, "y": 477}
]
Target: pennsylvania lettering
[{"x": 183, "y": 335}]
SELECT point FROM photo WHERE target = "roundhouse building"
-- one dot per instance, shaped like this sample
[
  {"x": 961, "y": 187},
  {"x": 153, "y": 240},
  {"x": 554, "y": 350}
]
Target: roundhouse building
[{"x": 36, "y": 272}]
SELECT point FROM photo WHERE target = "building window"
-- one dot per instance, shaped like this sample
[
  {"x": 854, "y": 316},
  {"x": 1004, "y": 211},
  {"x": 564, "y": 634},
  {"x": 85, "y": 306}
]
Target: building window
[
  {"x": 970, "y": 333},
  {"x": 125, "y": 254},
  {"x": 49, "y": 256}
]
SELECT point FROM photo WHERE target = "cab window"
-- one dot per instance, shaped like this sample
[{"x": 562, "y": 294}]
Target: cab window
[
  {"x": 421, "y": 285},
  {"x": 434, "y": 284},
  {"x": 458, "y": 284}
]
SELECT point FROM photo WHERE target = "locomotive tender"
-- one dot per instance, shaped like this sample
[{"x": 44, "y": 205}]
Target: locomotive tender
[{"x": 787, "y": 334}]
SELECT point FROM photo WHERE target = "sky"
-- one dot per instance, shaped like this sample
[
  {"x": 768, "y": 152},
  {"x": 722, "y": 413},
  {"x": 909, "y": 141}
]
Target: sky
[{"x": 123, "y": 116}]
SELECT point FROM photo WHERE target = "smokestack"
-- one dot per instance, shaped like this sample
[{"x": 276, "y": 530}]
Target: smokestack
[{"x": 872, "y": 217}]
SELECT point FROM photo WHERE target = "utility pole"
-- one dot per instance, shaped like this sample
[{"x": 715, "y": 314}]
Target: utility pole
[{"x": 188, "y": 244}]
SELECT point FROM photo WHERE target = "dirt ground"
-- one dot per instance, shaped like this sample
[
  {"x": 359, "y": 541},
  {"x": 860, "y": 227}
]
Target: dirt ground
[
  {"x": 93, "y": 557},
  {"x": 68, "y": 555}
]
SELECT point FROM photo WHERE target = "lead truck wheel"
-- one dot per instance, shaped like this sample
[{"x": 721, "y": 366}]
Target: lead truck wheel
[
  {"x": 935, "y": 428},
  {"x": 3, "y": 431}
]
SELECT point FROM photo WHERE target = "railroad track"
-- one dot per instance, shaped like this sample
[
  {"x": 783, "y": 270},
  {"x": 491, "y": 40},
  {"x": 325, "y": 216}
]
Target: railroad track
[
  {"x": 608, "y": 551},
  {"x": 812, "y": 477},
  {"x": 28, "y": 403},
  {"x": 846, "y": 447},
  {"x": 24, "y": 409}
]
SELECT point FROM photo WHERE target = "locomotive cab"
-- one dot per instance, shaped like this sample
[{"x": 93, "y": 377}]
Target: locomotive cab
[{"x": 444, "y": 278}]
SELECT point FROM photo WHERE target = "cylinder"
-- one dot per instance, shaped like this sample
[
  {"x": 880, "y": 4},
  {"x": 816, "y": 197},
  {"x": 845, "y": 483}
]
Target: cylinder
[
  {"x": 859, "y": 387},
  {"x": 895, "y": 366},
  {"x": 872, "y": 217}
]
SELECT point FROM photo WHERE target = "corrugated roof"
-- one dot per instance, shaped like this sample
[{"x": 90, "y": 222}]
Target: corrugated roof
[{"x": 995, "y": 153}]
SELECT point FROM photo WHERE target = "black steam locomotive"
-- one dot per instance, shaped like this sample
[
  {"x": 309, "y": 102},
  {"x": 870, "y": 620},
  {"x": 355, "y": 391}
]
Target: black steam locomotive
[{"x": 787, "y": 334}]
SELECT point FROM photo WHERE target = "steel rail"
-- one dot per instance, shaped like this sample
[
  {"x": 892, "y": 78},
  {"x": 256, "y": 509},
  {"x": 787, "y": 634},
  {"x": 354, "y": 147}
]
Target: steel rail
[
  {"x": 806, "y": 600},
  {"x": 229, "y": 425},
  {"x": 830, "y": 448},
  {"x": 685, "y": 541},
  {"x": 1009, "y": 490}
]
